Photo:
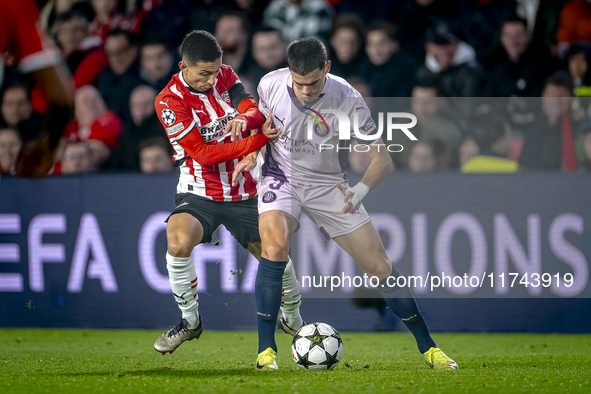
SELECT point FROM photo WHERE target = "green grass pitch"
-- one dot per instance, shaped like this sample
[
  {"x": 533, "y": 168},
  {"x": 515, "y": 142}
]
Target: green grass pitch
[{"x": 88, "y": 361}]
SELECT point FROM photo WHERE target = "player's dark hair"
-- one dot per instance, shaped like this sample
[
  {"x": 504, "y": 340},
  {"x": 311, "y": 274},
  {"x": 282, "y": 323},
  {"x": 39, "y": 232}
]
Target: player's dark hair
[
  {"x": 388, "y": 28},
  {"x": 306, "y": 55},
  {"x": 560, "y": 78},
  {"x": 200, "y": 46}
]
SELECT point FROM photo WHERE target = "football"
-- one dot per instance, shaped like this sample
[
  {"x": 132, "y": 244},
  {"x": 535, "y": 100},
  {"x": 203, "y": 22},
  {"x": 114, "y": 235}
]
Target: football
[{"x": 317, "y": 346}]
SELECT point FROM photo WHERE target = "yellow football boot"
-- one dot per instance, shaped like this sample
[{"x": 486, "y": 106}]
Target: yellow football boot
[
  {"x": 266, "y": 360},
  {"x": 436, "y": 359}
]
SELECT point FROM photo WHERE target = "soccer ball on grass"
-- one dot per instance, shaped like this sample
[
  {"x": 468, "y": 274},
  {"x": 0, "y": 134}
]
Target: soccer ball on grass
[{"x": 317, "y": 346}]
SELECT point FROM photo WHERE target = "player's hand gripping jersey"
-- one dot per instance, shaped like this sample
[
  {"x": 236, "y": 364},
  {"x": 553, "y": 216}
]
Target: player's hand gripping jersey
[
  {"x": 294, "y": 157},
  {"x": 194, "y": 123}
]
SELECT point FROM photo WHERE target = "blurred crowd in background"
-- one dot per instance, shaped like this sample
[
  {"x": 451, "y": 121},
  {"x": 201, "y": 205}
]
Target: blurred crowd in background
[{"x": 433, "y": 54}]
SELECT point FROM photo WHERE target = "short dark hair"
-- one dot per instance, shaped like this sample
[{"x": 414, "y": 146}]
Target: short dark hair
[
  {"x": 269, "y": 29},
  {"x": 151, "y": 41},
  {"x": 69, "y": 15},
  {"x": 514, "y": 18},
  {"x": 560, "y": 78},
  {"x": 154, "y": 142},
  {"x": 388, "y": 28},
  {"x": 349, "y": 21},
  {"x": 131, "y": 39},
  {"x": 200, "y": 46},
  {"x": 18, "y": 85},
  {"x": 244, "y": 20},
  {"x": 306, "y": 55}
]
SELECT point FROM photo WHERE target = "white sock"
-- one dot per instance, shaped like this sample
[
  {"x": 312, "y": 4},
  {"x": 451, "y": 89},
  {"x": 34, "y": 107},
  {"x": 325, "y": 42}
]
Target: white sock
[
  {"x": 183, "y": 283},
  {"x": 291, "y": 297}
]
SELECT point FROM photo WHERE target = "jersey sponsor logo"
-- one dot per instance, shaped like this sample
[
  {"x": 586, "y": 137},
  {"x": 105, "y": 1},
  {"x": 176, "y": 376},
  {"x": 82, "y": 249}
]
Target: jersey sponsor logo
[
  {"x": 299, "y": 146},
  {"x": 215, "y": 129},
  {"x": 168, "y": 116},
  {"x": 269, "y": 197},
  {"x": 175, "y": 129}
]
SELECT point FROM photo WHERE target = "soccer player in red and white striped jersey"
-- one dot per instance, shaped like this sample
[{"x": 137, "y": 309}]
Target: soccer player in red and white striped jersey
[
  {"x": 207, "y": 115},
  {"x": 196, "y": 122}
]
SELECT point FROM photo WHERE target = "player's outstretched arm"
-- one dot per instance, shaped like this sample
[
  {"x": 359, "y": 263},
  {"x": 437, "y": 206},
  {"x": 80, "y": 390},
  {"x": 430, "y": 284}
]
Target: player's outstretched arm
[
  {"x": 208, "y": 154},
  {"x": 180, "y": 127},
  {"x": 380, "y": 166}
]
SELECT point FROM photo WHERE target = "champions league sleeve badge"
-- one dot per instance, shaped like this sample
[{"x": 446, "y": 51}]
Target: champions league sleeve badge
[{"x": 168, "y": 116}]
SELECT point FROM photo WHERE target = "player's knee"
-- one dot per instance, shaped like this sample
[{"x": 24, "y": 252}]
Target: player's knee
[
  {"x": 381, "y": 270},
  {"x": 179, "y": 245},
  {"x": 276, "y": 251}
]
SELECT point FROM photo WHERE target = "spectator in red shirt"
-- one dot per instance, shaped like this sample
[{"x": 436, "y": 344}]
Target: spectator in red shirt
[{"x": 94, "y": 124}]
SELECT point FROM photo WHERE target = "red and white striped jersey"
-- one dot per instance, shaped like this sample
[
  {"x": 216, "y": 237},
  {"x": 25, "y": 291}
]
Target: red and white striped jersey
[{"x": 183, "y": 112}]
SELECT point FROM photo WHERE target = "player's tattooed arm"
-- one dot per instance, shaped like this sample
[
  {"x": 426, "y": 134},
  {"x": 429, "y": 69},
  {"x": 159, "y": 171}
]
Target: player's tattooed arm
[{"x": 381, "y": 165}]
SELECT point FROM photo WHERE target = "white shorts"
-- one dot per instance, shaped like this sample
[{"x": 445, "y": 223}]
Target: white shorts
[{"x": 322, "y": 204}]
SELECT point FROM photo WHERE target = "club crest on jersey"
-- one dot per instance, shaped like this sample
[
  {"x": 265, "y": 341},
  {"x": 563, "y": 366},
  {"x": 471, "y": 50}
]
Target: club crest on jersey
[
  {"x": 226, "y": 97},
  {"x": 168, "y": 116},
  {"x": 269, "y": 197},
  {"x": 320, "y": 129}
]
